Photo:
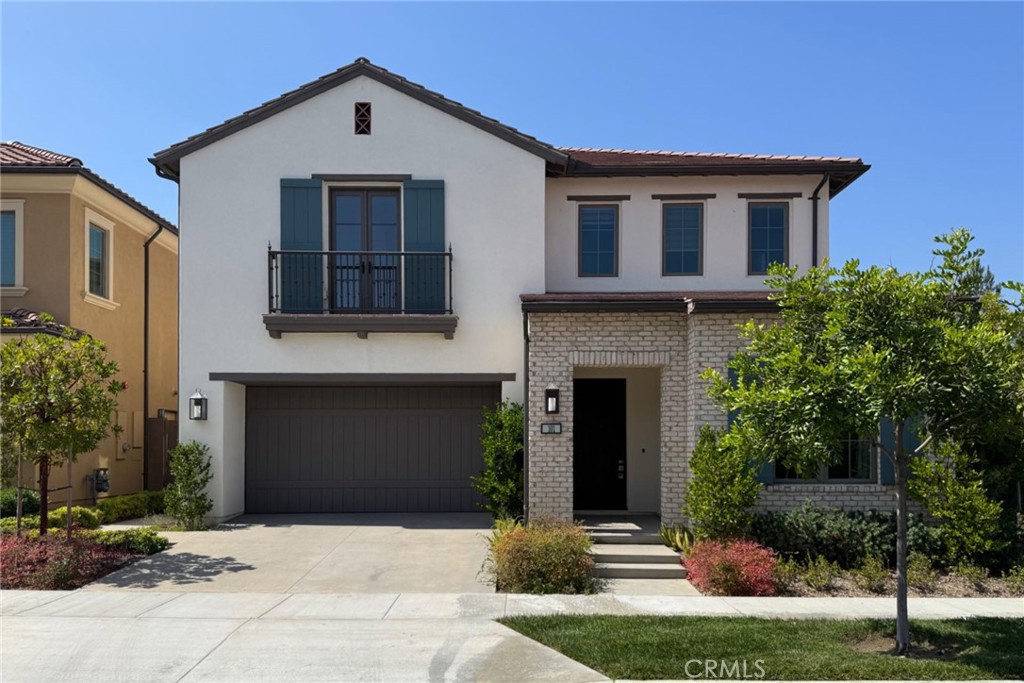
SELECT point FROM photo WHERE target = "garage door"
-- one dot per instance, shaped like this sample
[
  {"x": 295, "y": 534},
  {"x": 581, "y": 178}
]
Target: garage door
[{"x": 364, "y": 449}]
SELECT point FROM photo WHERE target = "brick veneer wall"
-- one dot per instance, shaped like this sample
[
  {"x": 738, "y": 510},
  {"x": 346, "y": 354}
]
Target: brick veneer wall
[{"x": 681, "y": 346}]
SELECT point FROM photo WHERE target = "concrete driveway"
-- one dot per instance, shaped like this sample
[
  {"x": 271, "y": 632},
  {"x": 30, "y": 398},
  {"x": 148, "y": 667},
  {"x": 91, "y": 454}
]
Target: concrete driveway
[{"x": 322, "y": 553}]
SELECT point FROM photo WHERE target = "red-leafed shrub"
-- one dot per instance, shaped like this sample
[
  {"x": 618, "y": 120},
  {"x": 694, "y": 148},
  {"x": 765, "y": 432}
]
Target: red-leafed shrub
[
  {"x": 53, "y": 563},
  {"x": 732, "y": 568}
]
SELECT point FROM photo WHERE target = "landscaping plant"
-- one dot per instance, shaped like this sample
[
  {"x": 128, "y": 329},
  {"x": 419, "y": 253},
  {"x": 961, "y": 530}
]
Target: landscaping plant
[
  {"x": 732, "y": 568},
  {"x": 722, "y": 489},
  {"x": 58, "y": 394},
  {"x": 974, "y": 575},
  {"x": 185, "y": 497},
  {"x": 921, "y": 574},
  {"x": 501, "y": 482},
  {"x": 820, "y": 574},
  {"x": 141, "y": 541},
  {"x": 858, "y": 348},
  {"x": 872, "y": 575},
  {"x": 1015, "y": 580},
  {"x": 677, "y": 537},
  {"x": 9, "y": 502},
  {"x": 787, "y": 572},
  {"x": 131, "y": 506},
  {"x": 543, "y": 557}
]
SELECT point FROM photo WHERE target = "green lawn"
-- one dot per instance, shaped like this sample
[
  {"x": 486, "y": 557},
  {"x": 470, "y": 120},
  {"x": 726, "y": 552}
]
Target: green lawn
[{"x": 661, "y": 647}]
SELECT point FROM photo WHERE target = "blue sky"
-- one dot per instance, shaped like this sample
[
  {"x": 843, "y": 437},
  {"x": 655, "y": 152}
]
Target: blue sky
[{"x": 930, "y": 94}]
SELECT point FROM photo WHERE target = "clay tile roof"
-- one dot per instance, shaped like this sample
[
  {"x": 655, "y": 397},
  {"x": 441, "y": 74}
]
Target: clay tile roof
[
  {"x": 24, "y": 321},
  {"x": 19, "y": 154},
  {"x": 17, "y": 157}
]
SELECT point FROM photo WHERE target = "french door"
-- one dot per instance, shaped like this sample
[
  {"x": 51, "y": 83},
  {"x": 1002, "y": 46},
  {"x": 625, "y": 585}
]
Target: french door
[{"x": 365, "y": 223}]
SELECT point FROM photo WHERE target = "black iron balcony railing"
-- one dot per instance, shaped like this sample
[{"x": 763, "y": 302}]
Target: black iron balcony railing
[{"x": 366, "y": 282}]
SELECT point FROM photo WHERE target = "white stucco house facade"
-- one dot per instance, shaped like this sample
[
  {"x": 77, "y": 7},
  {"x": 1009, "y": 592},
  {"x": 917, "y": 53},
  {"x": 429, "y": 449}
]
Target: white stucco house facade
[{"x": 367, "y": 265}]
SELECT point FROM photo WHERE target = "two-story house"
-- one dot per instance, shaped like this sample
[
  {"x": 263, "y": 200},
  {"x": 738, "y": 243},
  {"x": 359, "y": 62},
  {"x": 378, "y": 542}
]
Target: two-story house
[
  {"x": 78, "y": 248},
  {"x": 366, "y": 265}
]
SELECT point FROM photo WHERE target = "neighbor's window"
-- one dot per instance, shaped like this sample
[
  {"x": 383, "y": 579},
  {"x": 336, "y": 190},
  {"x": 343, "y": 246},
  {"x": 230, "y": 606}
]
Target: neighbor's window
[
  {"x": 99, "y": 261},
  {"x": 7, "y": 249},
  {"x": 682, "y": 226},
  {"x": 854, "y": 465},
  {"x": 599, "y": 239},
  {"x": 768, "y": 236}
]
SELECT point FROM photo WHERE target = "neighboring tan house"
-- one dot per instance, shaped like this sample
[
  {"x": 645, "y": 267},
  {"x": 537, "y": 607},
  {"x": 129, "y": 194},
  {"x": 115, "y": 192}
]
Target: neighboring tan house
[
  {"x": 78, "y": 248},
  {"x": 387, "y": 262}
]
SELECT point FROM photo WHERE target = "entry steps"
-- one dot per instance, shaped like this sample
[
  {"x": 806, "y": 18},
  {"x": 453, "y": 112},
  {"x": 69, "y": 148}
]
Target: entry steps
[{"x": 630, "y": 549}]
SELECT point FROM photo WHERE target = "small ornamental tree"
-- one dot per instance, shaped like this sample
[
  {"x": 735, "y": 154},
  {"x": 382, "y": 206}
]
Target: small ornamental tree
[
  {"x": 185, "y": 497},
  {"x": 501, "y": 482},
  {"x": 856, "y": 348},
  {"x": 58, "y": 395},
  {"x": 723, "y": 487}
]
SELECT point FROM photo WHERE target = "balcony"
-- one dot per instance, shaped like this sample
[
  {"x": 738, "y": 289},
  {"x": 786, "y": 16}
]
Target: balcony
[{"x": 360, "y": 292}]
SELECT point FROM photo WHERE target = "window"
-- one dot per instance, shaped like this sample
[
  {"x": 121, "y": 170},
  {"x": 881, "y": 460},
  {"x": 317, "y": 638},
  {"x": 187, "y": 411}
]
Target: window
[
  {"x": 99, "y": 260},
  {"x": 768, "y": 236},
  {"x": 682, "y": 239},
  {"x": 363, "y": 110},
  {"x": 598, "y": 240},
  {"x": 855, "y": 464},
  {"x": 7, "y": 249}
]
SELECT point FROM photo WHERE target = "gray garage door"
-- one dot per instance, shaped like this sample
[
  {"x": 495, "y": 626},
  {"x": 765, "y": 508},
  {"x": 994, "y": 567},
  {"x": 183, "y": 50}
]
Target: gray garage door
[{"x": 364, "y": 449}]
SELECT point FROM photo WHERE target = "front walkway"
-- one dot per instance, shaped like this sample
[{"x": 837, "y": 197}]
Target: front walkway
[{"x": 163, "y": 636}]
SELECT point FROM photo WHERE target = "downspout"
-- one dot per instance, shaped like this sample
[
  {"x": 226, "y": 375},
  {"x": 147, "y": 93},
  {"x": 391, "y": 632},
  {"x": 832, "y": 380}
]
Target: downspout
[
  {"x": 814, "y": 219},
  {"x": 526, "y": 417},
  {"x": 145, "y": 359}
]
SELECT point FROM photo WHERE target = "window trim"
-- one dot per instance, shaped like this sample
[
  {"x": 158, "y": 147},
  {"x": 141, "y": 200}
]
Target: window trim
[
  {"x": 700, "y": 238},
  {"x": 785, "y": 239},
  {"x": 579, "y": 238},
  {"x": 103, "y": 223},
  {"x": 17, "y": 207}
]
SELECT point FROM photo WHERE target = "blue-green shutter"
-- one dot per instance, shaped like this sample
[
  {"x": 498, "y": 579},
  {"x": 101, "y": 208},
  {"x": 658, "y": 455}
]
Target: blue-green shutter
[
  {"x": 302, "y": 227},
  {"x": 424, "y": 232},
  {"x": 887, "y": 436},
  {"x": 765, "y": 470}
]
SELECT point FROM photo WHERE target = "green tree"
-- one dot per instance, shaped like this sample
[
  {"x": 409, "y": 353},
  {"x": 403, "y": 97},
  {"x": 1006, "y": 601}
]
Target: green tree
[
  {"x": 501, "y": 482},
  {"x": 856, "y": 347},
  {"x": 185, "y": 497},
  {"x": 58, "y": 395},
  {"x": 723, "y": 487}
]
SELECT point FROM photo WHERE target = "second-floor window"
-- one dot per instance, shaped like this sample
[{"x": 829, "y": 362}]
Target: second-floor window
[
  {"x": 7, "y": 249},
  {"x": 682, "y": 237},
  {"x": 768, "y": 236},
  {"x": 99, "y": 261},
  {"x": 598, "y": 240}
]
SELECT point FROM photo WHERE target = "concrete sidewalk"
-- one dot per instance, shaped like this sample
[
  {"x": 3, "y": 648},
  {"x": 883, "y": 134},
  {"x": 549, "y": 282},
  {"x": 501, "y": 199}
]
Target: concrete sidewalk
[{"x": 165, "y": 636}]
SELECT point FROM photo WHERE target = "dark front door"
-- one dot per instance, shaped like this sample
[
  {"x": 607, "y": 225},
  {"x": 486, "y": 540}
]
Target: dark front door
[
  {"x": 364, "y": 223},
  {"x": 599, "y": 444}
]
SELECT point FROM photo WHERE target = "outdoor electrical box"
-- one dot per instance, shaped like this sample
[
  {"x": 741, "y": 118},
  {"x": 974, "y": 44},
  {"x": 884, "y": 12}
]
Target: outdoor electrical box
[{"x": 101, "y": 479}]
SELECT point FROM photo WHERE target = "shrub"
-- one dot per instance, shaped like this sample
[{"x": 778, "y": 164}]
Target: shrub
[
  {"x": 86, "y": 518},
  {"x": 872, "y": 575},
  {"x": 501, "y": 482},
  {"x": 846, "y": 538},
  {"x": 820, "y": 574},
  {"x": 921, "y": 574},
  {"x": 133, "y": 506},
  {"x": 52, "y": 562},
  {"x": 28, "y": 523},
  {"x": 1015, "y": 580},
  {"x": 677, "y": 537},
  {"x": 723, "y": 488},
  {"x": 142, "y": 541},
  {"x": 185, "y": 498},
  {"x": 502, "y": 526},
  {"x": 732, "y": 568},
  {"x": 543, "y": 557},
  {"x": 974, "y": 575},
  {"x": 9, "y": 502},
  {"x": 787, "y": 573}
]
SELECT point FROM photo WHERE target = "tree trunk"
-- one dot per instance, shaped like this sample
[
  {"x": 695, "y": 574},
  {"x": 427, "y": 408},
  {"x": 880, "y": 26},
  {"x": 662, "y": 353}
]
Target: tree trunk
[
  {"x": 44, "y": 494},
  {"x": 71, "y": 497},
  {"x": 18, "y": 505},
  {"x": 900, "y": 472}
]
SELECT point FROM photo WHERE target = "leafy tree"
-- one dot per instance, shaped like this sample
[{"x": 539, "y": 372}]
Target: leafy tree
[
  {"x": 185, "y": 497},
  {"x": 856, "y": 347},
  {"x": 58, "y": 394},
  {"x": 501, "y": 482},
  {"x": 723, "y": 486}
]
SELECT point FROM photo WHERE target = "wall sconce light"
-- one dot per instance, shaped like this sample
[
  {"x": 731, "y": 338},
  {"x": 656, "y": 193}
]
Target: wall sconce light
[
  {"x": 197, "y": 406},
  {"x": 551, "y": 400}
]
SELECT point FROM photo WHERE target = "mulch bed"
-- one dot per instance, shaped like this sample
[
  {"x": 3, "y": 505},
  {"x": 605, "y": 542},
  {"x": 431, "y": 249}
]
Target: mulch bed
[{"x": 52, "y": 562}]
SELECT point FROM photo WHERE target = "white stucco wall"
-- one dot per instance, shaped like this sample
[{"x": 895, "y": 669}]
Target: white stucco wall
[
  {"x": 230, "y": 210},
  {"x": 640, "y": 225}
]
